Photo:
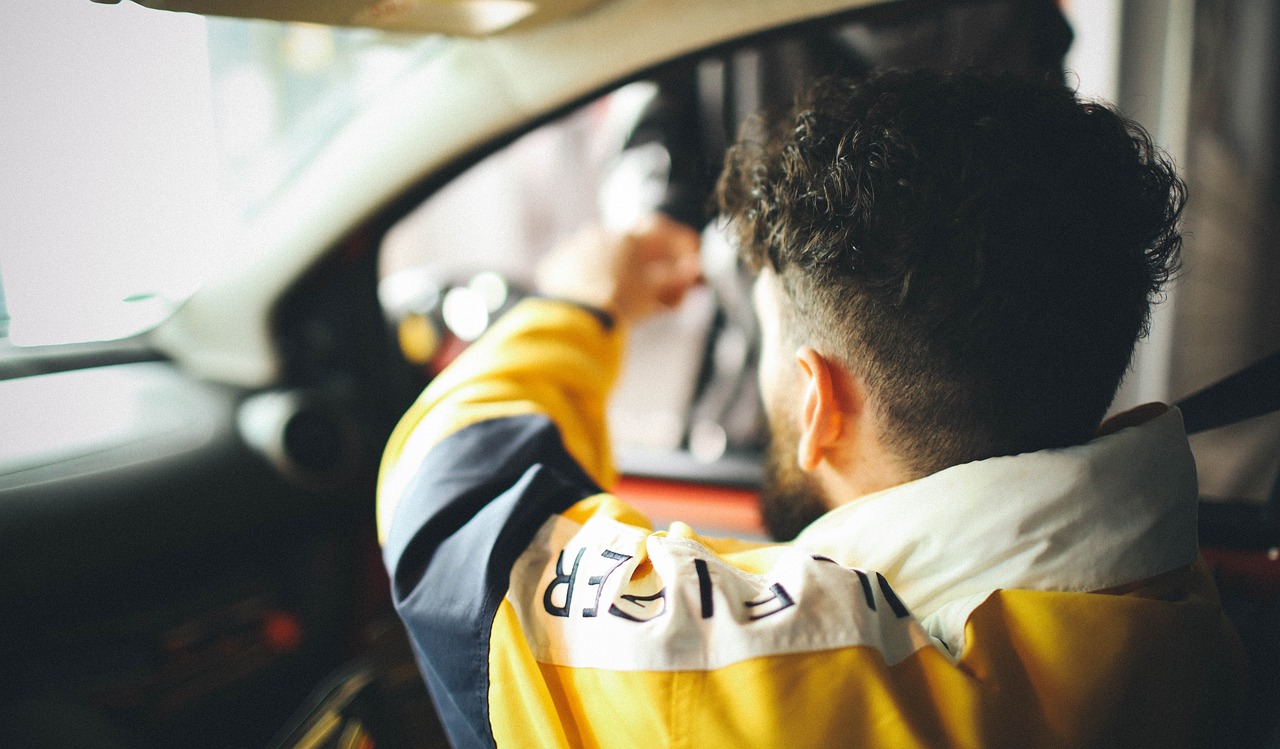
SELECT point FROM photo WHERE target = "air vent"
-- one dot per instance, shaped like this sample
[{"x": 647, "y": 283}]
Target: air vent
[{"x": 307, "y": 436}]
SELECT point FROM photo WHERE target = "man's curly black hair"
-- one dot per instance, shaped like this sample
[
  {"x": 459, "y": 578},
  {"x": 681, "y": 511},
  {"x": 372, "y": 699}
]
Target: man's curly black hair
[{"x": 983, "y": 250}]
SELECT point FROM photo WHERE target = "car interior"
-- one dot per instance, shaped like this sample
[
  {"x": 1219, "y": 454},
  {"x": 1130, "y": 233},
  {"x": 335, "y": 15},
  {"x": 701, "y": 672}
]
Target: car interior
[{"x": 187, "y": 514}]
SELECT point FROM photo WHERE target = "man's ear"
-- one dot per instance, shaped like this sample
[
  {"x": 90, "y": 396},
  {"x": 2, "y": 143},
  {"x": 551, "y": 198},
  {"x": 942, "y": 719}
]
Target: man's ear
[{"x": 821, "y": 413}]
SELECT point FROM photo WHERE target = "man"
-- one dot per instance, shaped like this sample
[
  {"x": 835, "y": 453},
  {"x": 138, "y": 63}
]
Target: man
[{"x": 953, "y": 271}]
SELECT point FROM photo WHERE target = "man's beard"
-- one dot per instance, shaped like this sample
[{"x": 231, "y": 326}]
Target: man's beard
[{"x": 790, "y": 499}]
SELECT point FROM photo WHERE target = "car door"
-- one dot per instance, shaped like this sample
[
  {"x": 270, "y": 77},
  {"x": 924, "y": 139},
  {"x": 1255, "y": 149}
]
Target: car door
[{"x": 184, "y": 555}]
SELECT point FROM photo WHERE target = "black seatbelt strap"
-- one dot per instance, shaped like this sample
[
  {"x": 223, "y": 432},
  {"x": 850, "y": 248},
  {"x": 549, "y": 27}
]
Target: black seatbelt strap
[{"x": 1253, "y": 391}]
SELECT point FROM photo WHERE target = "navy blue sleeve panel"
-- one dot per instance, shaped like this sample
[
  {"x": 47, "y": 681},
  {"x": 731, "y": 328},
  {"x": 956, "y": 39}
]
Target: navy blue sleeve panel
[{"x": 472, "y": 508}]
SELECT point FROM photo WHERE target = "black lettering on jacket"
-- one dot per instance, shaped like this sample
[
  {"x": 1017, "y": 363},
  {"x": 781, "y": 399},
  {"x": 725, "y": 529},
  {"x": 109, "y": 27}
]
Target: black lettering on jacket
[
  {"x": 704, "y": 588},
  {"x": 562, "y": 579},
  {"x": 598, "y": 580},
  {"x": 779, "y": 594},
  {"x": 642, "y": 605},
  {"x": 895, "y": 603}
]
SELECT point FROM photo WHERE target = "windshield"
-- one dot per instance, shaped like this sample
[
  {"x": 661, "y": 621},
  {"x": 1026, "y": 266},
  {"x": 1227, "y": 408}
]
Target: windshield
[{"x": 137, "y": 144}]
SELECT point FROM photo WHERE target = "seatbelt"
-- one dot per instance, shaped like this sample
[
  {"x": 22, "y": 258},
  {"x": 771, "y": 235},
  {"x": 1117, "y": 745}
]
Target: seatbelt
[{"x": 1253, "y": 391}]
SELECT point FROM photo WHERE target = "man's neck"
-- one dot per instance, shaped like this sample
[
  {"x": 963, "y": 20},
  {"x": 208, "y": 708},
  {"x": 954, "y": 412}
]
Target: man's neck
[{"x": 860, "y": 471}]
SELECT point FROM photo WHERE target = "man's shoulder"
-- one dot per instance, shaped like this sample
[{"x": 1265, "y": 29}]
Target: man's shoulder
[{"x": 606, "y": 594}]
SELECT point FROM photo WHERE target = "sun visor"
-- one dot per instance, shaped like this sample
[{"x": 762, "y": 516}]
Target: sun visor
[{"x": 451, "y": 17}]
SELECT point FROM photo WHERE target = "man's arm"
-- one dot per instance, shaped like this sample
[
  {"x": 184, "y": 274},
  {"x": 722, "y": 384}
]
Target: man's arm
[
  {"x": 510, "y": 434},
  {"x": 557, "y": 357}
]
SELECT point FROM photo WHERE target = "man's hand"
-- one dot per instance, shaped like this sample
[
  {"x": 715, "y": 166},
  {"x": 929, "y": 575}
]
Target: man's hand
[{"x": 645, "y": 270}]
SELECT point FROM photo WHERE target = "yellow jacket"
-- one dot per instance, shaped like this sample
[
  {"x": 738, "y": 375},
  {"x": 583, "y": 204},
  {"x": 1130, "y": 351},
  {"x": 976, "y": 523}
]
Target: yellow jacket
[{"x": 1048, "y": 599}]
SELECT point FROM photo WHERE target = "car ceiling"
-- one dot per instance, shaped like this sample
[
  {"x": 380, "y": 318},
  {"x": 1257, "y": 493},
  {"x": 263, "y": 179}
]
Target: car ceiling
[{"x": 475, "y": 92}]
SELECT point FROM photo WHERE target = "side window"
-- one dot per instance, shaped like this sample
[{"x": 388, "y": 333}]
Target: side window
[{"x": 468, "y": 252}]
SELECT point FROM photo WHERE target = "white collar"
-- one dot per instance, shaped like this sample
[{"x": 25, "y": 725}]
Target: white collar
[{"x": 1119, "y": 509}]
